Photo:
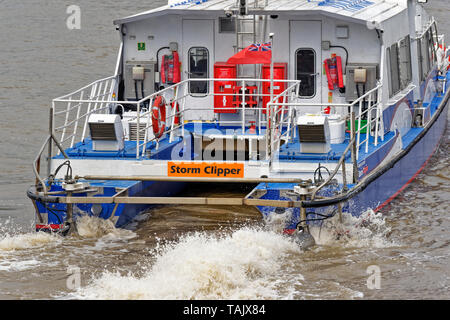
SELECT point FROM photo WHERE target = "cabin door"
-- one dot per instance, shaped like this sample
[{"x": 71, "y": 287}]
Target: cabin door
[
  {"x": 198, "y": 63},
  {"x": 306, "y": 60}
]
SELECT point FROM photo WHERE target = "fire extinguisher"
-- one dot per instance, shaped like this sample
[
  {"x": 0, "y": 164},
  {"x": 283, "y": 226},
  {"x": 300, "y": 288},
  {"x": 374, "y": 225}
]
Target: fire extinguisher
[
  {"x": 333, "y": 69},
  {"x": 170, "y": 68}
]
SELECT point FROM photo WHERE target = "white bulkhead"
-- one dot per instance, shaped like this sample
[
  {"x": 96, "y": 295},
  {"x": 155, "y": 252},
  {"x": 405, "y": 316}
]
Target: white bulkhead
[{"x": 356, "y": 36}]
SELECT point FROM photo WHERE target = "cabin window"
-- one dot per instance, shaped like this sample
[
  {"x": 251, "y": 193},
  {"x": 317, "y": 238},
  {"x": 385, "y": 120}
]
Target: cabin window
[
  {"x": 394, "y": 70},
  {"x": 435, "y": 33},
  {"x": 425, "y": 57},
  {"x": 400, "y": 66},
  {"x": 227, "y": 25},
  {"x": 430, "y": 45},
  {"x": 420, "y": 59},
  {"x": 198, "y": 69},
  {"x": 305, "y": 71},
  {"x": 426, "y": 51},
  {"x": 405, "y": 67}
]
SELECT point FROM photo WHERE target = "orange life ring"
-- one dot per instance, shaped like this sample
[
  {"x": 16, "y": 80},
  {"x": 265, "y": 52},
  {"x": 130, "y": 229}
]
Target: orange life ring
[{"x": 159, "y": 116}]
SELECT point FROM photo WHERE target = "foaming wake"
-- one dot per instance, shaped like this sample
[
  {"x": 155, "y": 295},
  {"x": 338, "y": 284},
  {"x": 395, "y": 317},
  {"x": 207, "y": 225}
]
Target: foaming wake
[
  {"x": 277, "y": 222},
  {"x": 367, "y": 230},
  {"x": 27, "y": 241},
  {"x": 246, "y": 264},
  {"x": 12, "y": 240},
  {"x": 15, "y": 247},
  {"x": 93, "y": 227},
  {"x": 18, "y": 265},
  {"x": 249, "y": 263}
]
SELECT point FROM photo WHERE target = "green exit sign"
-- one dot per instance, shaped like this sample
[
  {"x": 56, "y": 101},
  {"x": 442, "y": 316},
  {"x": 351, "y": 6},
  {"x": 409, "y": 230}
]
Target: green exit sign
[{"x": 141, "y": 46}]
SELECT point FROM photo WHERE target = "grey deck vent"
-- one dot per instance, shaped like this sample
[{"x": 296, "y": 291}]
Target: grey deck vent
[
  {"x": 106, "y": 132},
  {"x": 314, "y": 134},
  {"x": 133, "y": 132},
  {"x": 102, "y": 131}
]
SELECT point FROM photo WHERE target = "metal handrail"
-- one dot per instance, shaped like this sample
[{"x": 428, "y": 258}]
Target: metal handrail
[
  {"x": 341, "y": 162},
  {"x": 64, "y": 97},
  {"x": 100, "y": 95},
  {"x": 373, "y": 105},
  {"x": 286, "y": 101},
  {"x": 182, "y": 99},
  {"x": 277, "y": 126},
  {"x": 99, "y": 100},
  {"x": 37, "y": 160}
]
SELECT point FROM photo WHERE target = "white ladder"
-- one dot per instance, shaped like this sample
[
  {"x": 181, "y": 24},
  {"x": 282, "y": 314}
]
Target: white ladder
[
  {"x": 247, "y": 32},
  {"x": 245, "y": 36}
]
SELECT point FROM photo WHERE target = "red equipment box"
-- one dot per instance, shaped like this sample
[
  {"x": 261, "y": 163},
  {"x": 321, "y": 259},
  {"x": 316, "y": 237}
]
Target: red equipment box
[
  {"x": 279, "y": 73},
  {"x": 224, "y": 103}
]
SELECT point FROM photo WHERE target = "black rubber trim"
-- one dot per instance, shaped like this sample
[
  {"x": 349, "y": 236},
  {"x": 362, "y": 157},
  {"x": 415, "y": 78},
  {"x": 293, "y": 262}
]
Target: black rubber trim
[{"x": 31, "y": 193}]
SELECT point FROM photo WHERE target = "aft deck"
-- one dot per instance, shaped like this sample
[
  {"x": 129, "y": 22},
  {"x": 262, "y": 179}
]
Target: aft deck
[
  {"x": 289, "y": 152},
  {"x": 273, "y": 152}
]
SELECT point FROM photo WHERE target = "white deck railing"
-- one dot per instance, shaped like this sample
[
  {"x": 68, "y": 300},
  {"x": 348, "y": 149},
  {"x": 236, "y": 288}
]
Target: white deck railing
[
  {"x": 71, "y": 112},
  {"x": 372, "y": 111},
  {"x": 181, "y": 93}
]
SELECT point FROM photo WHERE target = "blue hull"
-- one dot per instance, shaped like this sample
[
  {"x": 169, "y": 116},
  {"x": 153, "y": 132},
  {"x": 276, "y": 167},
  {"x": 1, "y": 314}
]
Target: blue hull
[
  {"x": 386, "y": 187},
  {"x": 389, "y": 179},
  {"x": 124, "y": 213}
]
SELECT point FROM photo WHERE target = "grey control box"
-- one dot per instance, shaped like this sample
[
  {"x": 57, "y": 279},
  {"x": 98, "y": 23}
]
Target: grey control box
[
  {"x": 371, "y": 76},
  {"x": 140, "y": 76}
]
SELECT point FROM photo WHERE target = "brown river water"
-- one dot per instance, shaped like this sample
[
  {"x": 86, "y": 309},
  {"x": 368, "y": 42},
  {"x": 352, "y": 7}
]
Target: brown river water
[{"x": 188, "y": 252}]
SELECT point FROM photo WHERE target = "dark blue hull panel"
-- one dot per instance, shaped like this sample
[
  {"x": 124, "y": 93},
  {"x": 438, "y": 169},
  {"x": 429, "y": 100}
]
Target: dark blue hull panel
[
  {"x": 148, "y": 189},
  {"x": 125, "y": 213},
  {"x": 391, "y": 183},
  {"x": 419, "y": 145}
]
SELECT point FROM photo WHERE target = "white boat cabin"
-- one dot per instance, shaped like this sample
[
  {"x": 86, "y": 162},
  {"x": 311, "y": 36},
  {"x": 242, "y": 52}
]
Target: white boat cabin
[{"x": 375, "y": 35}]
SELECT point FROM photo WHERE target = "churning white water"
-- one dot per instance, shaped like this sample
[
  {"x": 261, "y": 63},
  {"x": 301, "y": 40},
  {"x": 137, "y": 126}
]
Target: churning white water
[
  {"x": 367, "y": 230},
  {"x": 11, "y": 240},
  {"x": 93, "y": 227},
  {"x": 242, "y": 265},
  {"x": 248, "y": 263}
]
